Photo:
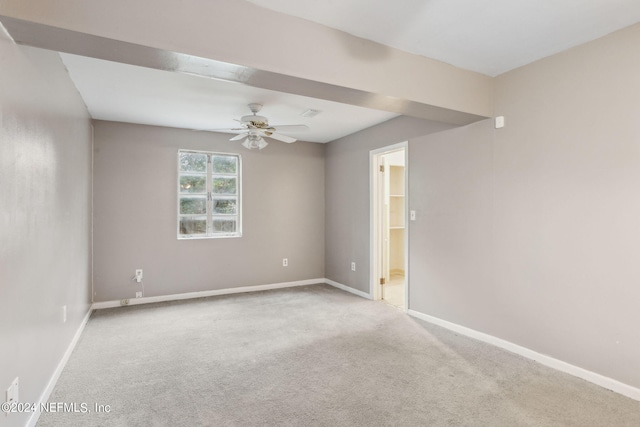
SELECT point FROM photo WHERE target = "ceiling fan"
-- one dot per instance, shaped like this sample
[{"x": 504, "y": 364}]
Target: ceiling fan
[{"x": 255, "y": 128}]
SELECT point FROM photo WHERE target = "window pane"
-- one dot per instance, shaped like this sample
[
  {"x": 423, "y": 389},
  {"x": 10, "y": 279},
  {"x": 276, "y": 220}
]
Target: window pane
[
  {"x": 193, "y": 162},
  {"x": 209, "y": 186},
  {"x": 224, "y": 186},
  {"x": 224, "y": 225},
  {"x": 193, "y": 225},
  {"x": 225, "y": 164},
  {"x": 224, "y": 206},
  {"x": 193, "y": 205},
  {"x": 193, "y": 184}
]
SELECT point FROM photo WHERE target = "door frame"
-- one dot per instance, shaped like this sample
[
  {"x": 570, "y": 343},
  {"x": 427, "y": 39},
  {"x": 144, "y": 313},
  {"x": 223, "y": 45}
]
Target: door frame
[{"x": 375, "y": 219}]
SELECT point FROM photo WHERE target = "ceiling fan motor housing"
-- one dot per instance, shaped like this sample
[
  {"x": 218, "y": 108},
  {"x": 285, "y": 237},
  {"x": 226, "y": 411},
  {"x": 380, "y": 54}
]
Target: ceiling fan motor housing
[
  {"x": 255, "y": 119},
  {"x": 255, "y": 128}
]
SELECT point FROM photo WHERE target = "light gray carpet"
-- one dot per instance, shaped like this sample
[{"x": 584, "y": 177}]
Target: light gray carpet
[{"x": 315, "y": 356}]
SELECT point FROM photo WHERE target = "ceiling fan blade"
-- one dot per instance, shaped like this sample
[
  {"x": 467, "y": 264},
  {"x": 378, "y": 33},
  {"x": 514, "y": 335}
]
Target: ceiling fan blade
[
  {"x": 291, "y": 128},
  {"x": 239, "y": 137},
  {"x": 278, "y": 136},
  {"x": 221, "y": 130}
]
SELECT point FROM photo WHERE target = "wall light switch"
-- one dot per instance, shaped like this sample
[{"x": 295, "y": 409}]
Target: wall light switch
[
  {"x": 499, "y": 122},
  {"x": 13, "y": 393},
  {"x": 412, "y": 215}
]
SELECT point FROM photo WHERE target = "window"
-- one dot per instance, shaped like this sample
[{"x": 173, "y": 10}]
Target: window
[{"x": 208, "y": 195}]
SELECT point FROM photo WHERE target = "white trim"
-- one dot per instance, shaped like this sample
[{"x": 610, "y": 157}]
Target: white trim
[
  {"x": 389, "y": 148},
  {"x": 601, "y": 380},
  {"x": 44, "y": 397},
  {"x": 373, "y": 219},
  {"x": 406, "y": 227},
  {"x": 210, "y": 234},
  {"x": 201, "y": 294},
  {"x": 93, "y": 168},
  {"x": 347, "y": 288},
  {"x": 374, "y": 238}
]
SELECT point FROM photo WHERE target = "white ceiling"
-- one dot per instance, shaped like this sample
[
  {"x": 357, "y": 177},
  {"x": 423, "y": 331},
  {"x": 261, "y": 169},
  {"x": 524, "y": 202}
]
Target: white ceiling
[
  {"x": 126, "y": 93},
  {"x": 488, "y": 36}
]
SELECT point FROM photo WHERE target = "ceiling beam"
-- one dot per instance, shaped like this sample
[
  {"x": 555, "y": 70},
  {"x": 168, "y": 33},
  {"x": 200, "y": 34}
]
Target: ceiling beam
[{"x": 67, "y": 40}]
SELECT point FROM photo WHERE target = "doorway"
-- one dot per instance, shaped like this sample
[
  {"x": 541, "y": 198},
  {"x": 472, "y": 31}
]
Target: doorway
[{"x": 389, "y": 231}]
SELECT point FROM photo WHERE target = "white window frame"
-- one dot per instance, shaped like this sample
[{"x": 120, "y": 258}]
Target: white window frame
[{"x": 210, "y": 234}]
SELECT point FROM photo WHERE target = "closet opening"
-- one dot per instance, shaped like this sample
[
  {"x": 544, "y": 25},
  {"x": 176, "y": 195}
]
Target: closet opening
[{"x": 389, "y": 236}]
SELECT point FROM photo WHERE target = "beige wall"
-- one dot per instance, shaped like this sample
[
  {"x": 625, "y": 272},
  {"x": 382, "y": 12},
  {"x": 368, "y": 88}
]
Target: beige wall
[
  {"x": 136, "y": 203},
  {"x": 347, "y": 196},
  {"x": 530, "y": 233},
  {"x": 45, "y": 218}
]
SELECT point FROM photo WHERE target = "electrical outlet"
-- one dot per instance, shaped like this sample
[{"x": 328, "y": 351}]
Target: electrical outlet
[
  {"x": 64, "y": 314},
  {"x": 124, "y": 301},
  {"x": 353, "y": 266},
  {"x": 138, "y": 276},
  {"x": 285, "y": 262},
  {"x": 138, "y": 294}
]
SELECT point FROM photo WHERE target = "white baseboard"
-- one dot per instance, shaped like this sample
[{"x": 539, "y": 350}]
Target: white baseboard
[
  {"x": 601, "y": 380},
  {"x": 44, "y": 397},
  {"x": 347, "y": 288},
  {"x": 202, "y": 294}
]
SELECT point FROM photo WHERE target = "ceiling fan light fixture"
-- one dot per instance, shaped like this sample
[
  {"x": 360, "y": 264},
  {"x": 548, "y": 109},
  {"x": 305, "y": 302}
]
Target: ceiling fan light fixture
[{"x": 254, "y": 141}]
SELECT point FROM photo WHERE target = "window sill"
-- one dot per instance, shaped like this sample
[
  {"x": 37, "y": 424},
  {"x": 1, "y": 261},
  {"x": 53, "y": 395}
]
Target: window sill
[{"x": 223, "y": 236}]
